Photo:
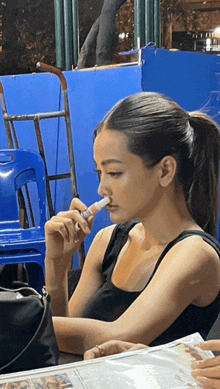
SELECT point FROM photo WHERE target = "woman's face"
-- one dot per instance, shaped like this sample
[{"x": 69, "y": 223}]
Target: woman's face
[{"x": 133, "y": 188}]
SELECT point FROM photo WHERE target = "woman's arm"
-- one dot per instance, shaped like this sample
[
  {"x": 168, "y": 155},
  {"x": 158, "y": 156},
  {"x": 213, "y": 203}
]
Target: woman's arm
[
  {"x": 64, "y": 234},
  {"x": 182, "y": 278},
  {"x": 188, "y": 274},
  {"x": 92, "y": 277}
]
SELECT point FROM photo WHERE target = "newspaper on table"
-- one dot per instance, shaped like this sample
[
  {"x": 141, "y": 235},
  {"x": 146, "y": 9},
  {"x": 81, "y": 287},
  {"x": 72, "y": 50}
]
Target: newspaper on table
[{"x": 161, "y": 367}]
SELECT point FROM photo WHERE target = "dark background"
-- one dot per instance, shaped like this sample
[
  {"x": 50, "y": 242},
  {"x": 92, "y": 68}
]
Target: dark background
[{"x": 28, "y": 32}]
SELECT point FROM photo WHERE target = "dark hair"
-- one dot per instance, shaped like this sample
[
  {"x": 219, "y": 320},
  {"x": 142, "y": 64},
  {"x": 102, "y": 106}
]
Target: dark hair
[{"x": 155, "y": 126}]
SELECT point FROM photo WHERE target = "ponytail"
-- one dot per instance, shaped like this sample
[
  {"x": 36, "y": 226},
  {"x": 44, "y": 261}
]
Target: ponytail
[{"x": 202, "y": 197}]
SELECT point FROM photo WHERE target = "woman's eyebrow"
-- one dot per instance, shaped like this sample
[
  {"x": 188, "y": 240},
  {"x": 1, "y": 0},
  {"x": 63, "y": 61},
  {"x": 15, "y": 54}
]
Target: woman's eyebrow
[{"x": 108, "y": 161}]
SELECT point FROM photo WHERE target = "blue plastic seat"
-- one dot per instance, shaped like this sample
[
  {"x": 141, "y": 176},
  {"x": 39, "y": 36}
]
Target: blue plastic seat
[{"x": 23, "y": 210}]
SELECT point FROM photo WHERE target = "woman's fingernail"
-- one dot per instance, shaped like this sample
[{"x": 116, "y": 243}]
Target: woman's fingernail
[
  {"x": 194, "y": 372},
  {"x": 201, "y": 379}
]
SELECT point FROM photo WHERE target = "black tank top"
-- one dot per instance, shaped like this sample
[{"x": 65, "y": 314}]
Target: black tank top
[{"x": 109, "y": 302}]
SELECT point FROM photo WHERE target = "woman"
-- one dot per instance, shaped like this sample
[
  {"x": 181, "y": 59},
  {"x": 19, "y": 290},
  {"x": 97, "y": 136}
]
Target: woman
[{"x": 147, "y": 279}]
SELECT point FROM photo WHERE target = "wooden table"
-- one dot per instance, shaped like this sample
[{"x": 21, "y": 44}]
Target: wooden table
[{"x": 69, "y": 358}]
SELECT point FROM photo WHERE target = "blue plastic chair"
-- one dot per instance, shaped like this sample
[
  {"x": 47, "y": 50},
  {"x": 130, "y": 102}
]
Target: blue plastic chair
[{"x": 22, "y": 184}]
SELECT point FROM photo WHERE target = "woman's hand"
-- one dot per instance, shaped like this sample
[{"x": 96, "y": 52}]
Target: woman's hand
[
  {"x": 112, "y": 347},
  {"x": 65, "y": 232},
  {"x": 207, "y": 372}
]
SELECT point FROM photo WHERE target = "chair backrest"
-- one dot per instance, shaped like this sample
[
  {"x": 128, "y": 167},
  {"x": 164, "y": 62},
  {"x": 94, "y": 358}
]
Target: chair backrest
[{"x": 18, "y": 168}]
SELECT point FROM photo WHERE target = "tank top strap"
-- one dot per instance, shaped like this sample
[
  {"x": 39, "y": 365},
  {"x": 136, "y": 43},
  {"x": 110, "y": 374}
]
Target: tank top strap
[
  {"x": 206, "y": 237},
  {"x": 117, "y": 241}
]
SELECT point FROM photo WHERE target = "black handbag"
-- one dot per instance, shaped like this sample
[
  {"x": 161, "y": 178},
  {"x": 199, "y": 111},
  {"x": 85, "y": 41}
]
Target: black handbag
[{"x": 27, "y": 339}]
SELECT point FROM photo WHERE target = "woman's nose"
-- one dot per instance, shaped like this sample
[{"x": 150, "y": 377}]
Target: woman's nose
[
  {"x": 103, "y": 189},
  {"x": 100, "y": 189}
]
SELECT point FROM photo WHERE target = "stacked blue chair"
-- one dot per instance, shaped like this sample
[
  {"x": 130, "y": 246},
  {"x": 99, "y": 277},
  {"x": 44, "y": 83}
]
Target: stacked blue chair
[{"x": 23, "y": 210}]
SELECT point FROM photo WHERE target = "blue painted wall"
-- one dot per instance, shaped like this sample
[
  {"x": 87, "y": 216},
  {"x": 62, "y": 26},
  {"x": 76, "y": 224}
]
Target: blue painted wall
[{"x": 190, "y": 79}]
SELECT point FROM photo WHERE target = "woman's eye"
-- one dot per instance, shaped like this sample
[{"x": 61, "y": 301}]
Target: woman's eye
[
  {"x": 98, "y": 172},
  {"x": 114, "y": 174}
]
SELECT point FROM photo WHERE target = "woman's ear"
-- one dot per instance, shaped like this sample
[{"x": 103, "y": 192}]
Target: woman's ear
[{"x": 168, "y": 170}]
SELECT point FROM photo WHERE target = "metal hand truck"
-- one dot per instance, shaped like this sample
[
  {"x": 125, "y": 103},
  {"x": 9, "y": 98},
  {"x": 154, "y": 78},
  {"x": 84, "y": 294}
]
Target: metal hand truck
[{"x": 13, "y": 142}]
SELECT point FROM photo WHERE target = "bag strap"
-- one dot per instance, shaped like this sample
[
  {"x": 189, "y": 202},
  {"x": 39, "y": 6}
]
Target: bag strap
[{"x": 38, "y": 332}]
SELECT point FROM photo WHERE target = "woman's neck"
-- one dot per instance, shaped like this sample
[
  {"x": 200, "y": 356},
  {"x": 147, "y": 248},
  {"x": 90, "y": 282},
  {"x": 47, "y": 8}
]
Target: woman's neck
[{"x": 169, "y": 219}]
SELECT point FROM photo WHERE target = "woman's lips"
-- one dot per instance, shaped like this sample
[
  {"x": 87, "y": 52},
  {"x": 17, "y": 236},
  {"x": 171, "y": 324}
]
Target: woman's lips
[{"x": 111, "y": 207}]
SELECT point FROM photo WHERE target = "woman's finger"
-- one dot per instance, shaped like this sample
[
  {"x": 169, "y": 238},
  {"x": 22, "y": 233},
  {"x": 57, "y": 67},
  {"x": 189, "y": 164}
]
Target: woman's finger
[
  {"x": 57, "y": 226},
  {"x": 212, "y": 345},
  {"x": 137, "y": 346},
  {"x": 92, "y": 353},
  {"x": 209, "y": 372},
  {"x": 78, "y": 204},
  {"x": 205, "y": 363},
  {"x": 74, "y": 217},
  {"x": 209, "y": 383},
  {"x": 66, "y": 227}
]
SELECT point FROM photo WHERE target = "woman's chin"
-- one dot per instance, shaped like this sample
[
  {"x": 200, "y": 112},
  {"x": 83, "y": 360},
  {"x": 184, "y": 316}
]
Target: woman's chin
[{"x": 118, "y": 219}]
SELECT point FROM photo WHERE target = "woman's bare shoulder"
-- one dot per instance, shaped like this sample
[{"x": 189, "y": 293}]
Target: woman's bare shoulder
[
  {"x": 105, "y": 233},
  {"x": 201, "y": 259},
  {"x": 202, "y": 270},
  {"x": 199, "y": 248},
  {"x": 101, "y": 239},
  {"x": 137, "y": 231}
]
